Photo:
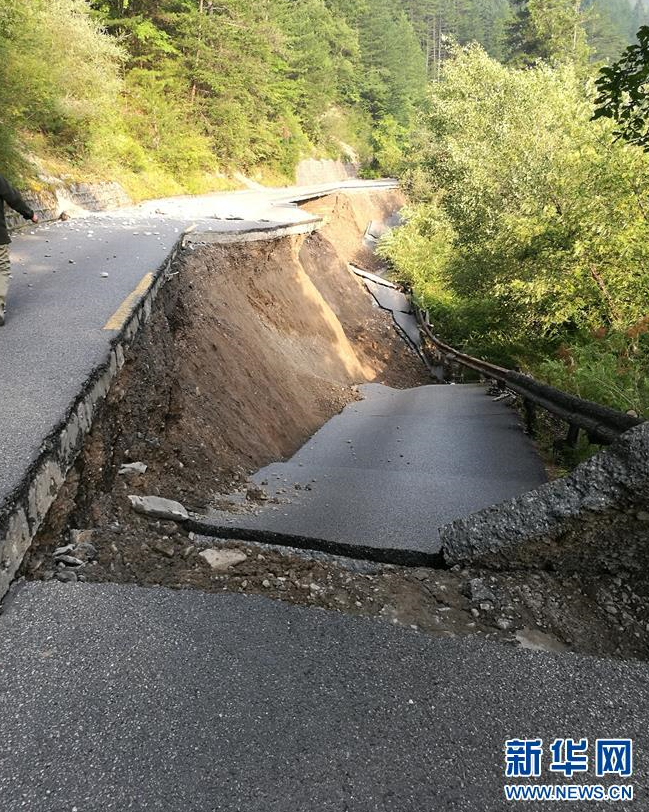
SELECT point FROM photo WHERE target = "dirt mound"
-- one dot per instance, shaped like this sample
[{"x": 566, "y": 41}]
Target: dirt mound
[{"x": 346, "y": 218}]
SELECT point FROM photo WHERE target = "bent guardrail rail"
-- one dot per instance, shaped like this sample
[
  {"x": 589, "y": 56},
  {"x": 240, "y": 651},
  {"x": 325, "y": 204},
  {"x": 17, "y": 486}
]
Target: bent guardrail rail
[{"x": 601, "y": 423}]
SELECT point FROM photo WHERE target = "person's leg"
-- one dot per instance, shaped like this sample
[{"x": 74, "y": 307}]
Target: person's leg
[{"x": 5, "y": 270}]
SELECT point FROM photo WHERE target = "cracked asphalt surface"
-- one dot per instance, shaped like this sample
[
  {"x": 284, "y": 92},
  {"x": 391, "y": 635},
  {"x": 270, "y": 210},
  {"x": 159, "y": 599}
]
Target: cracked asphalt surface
[
  {"x": 392, "y": 468},
  {"x": 124, "y": 698},
  {"x": 117, "y": 697},
  {"x": 59, "y": 302}
]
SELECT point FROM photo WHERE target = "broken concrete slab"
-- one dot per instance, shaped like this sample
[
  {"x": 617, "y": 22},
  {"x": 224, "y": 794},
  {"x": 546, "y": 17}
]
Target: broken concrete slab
[
  {"x": 222, "y": 560},
  {"x": 387, "y": 298},
  {"x": 378, "y": 280},
  {"x": 587, "y": 521},
  {"x": 159, "y": 508},
  {"x": 408, "y": 324},
  {"x": 436, "y": 451}
]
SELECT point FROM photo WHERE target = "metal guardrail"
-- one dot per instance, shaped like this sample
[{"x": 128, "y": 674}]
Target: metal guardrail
[{"x": 601, "y": 423}]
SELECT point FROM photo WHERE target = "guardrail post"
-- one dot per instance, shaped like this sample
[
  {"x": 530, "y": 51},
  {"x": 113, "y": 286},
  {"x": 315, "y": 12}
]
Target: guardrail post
[
  {"x": 573, "y": 435},
  {"x": 530, "y": 416}
]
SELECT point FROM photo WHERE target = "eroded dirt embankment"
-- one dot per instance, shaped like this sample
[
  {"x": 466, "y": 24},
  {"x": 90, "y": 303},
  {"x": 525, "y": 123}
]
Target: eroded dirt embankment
[{"x": 250, "y": 349}]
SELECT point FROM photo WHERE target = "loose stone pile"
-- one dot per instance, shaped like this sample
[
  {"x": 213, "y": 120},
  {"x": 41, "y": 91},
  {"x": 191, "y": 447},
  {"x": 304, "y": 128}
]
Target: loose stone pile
[{"x": 70, "y": 560}]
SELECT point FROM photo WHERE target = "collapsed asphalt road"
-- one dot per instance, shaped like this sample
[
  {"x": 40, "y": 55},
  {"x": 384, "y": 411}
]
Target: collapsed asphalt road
[
  {"x": 74, "y": 284},
  {"x": 114, "y": 696},
  {"x": 388, "y": 471}
]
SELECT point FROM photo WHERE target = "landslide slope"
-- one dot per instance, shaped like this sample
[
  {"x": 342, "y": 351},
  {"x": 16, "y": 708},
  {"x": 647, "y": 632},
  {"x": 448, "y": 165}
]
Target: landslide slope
[{"x": 250, "y": 348}]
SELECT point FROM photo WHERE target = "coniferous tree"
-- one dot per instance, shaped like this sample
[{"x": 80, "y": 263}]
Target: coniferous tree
[{"x": 547, "y": 29}]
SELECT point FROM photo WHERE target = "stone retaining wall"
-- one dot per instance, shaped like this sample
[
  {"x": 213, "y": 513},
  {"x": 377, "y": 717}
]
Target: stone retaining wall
[
  {"x": 22, "y": 517},
  {"x": 87, "y": 196},
  {"x": 311, "y": 171}
]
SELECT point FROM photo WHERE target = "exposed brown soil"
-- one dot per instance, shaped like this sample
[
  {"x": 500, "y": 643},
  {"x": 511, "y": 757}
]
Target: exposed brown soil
[
  {"x": 250, "y": 349},
  {"x": 347, "y": 216},
  {"x": 594, "y": 615}
]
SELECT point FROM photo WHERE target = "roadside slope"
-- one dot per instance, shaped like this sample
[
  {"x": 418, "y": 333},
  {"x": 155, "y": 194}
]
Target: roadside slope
[{"x": 242, "y": 359}]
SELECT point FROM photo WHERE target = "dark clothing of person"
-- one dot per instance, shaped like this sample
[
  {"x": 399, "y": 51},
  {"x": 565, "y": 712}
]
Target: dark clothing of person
[{"x": 12, "y": 198}]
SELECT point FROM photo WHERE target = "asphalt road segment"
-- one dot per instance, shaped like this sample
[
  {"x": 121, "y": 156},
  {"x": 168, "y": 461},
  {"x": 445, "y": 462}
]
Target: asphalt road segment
[
  {"x": 392, "y": 468},
  {"x": 59, "y": 301},
  {"x": 116, "y": 697}
]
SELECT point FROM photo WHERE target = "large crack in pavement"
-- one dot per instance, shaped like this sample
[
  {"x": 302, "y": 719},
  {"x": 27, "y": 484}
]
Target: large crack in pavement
[{"x": 598, "y": 615}]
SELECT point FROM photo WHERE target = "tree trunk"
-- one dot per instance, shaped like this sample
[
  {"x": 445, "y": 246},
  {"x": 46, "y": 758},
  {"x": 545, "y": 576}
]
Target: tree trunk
[
  {"x": 599, "y": 281},
  {"x": 201, "y": 6}
]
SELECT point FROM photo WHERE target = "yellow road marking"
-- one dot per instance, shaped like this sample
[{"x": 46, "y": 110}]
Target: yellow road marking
[{"x": 119, "y": 317}]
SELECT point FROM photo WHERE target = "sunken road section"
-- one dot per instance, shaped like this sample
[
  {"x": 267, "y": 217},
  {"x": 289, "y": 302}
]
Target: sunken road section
[
  {"x": 23, "y": 512},
  {"x": 249, "y": 350}
]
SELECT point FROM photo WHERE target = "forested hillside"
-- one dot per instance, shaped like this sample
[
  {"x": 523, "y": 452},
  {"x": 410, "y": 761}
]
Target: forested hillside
[
  {"x": 166, "y": 93},
  {"x": 175, "y": 95},
  {"x": 528, "y": 233}
]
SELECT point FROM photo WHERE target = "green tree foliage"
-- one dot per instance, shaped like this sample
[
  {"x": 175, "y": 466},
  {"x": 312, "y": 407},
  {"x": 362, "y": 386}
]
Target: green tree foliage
[
  {"x": 393, "y": 79},
  {"x": 611, "y": 25},
  {"x": 60, "y": 75},
  {"x": 624, "y": 92},
  {"x": 265, "y": 80},
  {"x": 532, "y": 233},
  {"x": 547, "y": 29},
  {"x": 439, "y": 23},
  {"x": 172, "y": 90}
]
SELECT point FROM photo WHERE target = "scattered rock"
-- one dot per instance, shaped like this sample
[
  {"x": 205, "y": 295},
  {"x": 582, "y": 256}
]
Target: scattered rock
[
  {"x": 132, "y": 468},
  {"x": 255, "y": 494},
  {"x": 164, "y": 549},
  {"x": 80, "y": 536},
  {"x": 266, "y": 583},
  {"x": 67, "y": 576},
  {"x": 536, "y": 640},
  {"x": 63, "y": 550},
  {"x": 69, "y": 560},
  {"x": 222, "y": 560},
  {"x": 159, "y": 508},
  {"x": 87, "y": 550},
  {"x": 477, "y": 591}
]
